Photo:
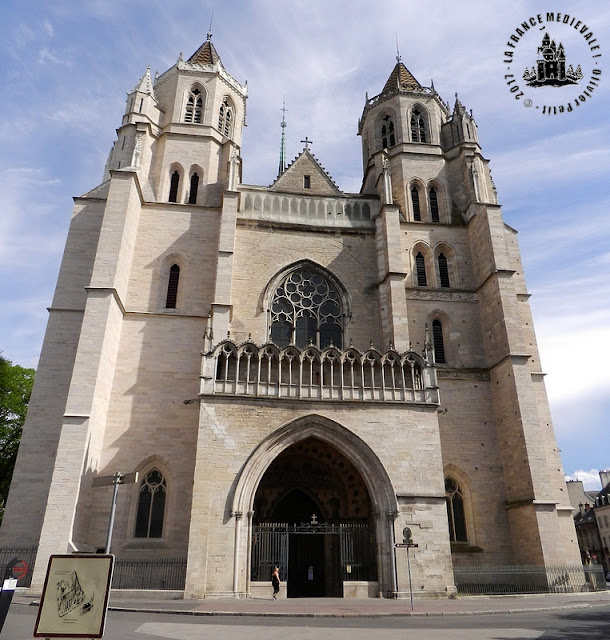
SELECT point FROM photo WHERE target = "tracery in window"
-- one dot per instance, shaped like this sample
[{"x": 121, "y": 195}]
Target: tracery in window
[
  {"x": 225, "y": 117},
  {"x": 173, "y": 187},
  {"x": 439, "y": 345},
  {"x": 387, "y": 133},
  {"x": 418, "y": 126},
  {"x": 415, "y": 203},
  {"x": 456, "y": 516},
  {"x": 434, "y": 214},
  {"x": 194, "y": 107},
  {"x": 306, "y": 309},
  {"x": 172, "y": 287},
  {"x": 151, "y": 505},
  {"x": 420, "y": 270},
  {"x": 194, "y": 188},
  {"x": 443, "y": 270}
]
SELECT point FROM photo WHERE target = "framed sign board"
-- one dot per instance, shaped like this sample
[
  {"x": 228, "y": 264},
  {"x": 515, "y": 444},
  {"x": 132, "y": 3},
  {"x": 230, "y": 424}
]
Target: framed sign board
[{"x": 75, "y": 596}]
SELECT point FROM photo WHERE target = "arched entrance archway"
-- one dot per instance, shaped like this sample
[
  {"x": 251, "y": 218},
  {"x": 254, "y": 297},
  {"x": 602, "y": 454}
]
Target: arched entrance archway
[
  {"x": 336, "y": 473},
  {"x": 312, "y": 518}
]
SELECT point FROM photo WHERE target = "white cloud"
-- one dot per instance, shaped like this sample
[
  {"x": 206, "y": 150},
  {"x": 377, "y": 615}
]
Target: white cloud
[
  {"x": 322, "y": 58},
  {"x": 590, "y": 479}
]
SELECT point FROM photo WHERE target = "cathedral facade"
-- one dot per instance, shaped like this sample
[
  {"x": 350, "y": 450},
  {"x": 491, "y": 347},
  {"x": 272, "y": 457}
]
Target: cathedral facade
[{"x": 300, "y": 377}]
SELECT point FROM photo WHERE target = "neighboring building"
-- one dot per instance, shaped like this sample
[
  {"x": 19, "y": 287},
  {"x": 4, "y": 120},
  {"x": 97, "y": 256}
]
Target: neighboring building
[
  {"x": 298, "y": 375},
  {"x": 591, "y": 511},
  {"x": 601, "y": 509},
  {"x": 578, "y": 496}
]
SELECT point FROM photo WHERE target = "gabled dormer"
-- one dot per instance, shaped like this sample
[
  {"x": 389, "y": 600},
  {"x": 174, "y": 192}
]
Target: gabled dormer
[{"x": 306, "y": 176}]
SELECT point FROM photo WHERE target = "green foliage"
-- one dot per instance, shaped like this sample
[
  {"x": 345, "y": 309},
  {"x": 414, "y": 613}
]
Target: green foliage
[{"x": 15, "y": 389}]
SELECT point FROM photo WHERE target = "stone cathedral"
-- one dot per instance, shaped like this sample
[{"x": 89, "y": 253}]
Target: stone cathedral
[{"x": 300, "y": 377}]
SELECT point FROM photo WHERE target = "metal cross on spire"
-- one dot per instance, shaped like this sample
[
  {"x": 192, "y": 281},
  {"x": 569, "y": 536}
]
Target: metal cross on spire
[
  {"x": 307, "y": 142},
  {"x": 397, "y": 51}
]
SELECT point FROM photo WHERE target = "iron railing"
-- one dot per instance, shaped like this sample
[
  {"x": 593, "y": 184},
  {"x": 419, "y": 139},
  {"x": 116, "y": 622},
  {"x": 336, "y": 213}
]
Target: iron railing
[
  {"x": 26, "y": 554},
  {"x": 509, "y": 579},
  {"x": 149, "y": 573},
  {"x": 271, "y": 548}
]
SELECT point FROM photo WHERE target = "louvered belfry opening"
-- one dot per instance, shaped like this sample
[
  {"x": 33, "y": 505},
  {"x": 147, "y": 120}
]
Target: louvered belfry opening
[
  {"x": 439, "y": 345},
  {"x": 415, "y": 202},
  {"x": 443, "y": 270},
  {"x": 433, "y": 205},
  {"x": 420, "y": 268}
]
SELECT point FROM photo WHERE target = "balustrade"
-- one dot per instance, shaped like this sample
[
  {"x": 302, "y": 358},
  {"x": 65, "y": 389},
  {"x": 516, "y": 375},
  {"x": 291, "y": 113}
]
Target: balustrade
[{"x": 312, "y": 374}]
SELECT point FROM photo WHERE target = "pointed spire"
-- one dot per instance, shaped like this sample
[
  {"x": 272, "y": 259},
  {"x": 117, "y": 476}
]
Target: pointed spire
[
  {"x": 282, "y": 165},
  {"x": 401, "y": 77},
  {"x": 145, "y": 84},
  {"x": 458, "y": 107},
  {"x": 206, "y": 54}
]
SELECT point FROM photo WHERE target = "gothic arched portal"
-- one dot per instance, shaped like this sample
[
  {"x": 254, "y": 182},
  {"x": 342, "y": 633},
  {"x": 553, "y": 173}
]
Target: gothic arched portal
[{"x": 320, "y": 504}]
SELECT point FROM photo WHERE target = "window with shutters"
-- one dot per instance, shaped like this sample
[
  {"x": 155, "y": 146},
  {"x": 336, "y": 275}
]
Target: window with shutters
[
  {"x": 443, "y": 270},
  {"x": 434, "y": 214},
  {"x": 420, "y": 269},
  {"x": 225, "y": 117},
  {"x": 418, "y": 126},
  {"x": 415, "y": 204},
  {"x": 194, "y": 107},
  {"x": 388, "y": 136},
  {"x": 439, "y": 345}
]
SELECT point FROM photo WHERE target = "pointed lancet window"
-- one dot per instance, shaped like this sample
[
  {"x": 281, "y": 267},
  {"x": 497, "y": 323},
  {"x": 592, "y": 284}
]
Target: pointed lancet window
[
  {"x": 151, "y": 506},
  {"x": 173, "y": 187},
  {"x": 420, "y": 268},
  {"x": 194, "y": 107},
  {"x": 388, "y": 137},
  {"x": 439, "y": 345},
  {"x": 455, "y": 511},
  {"x": 172, "y": 287},
  {"x": 418, "y": 126},
  {"x": 194, "y": 188},
  {"x": 225, "y": 118},
  {"x": 443, "y": 270},
  {"x": 434, "y": 214},
  {"x": 415, "y": 203}
]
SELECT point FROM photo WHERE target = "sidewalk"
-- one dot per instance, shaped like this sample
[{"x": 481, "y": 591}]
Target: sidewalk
[{"x": 340, "y": 607}]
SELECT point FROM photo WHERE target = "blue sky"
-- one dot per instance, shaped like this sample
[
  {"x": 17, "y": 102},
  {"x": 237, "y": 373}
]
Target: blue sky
[{"x": 65, "y": 68}]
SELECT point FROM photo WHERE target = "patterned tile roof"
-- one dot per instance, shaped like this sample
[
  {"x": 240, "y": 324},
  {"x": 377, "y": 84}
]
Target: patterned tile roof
[
  {"x": 206, "y": 54},
  {"x": 401, "y": 74}
]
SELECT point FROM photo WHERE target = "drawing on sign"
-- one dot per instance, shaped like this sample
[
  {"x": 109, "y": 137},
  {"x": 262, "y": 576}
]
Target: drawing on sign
[{"x": 70, "y": 595}]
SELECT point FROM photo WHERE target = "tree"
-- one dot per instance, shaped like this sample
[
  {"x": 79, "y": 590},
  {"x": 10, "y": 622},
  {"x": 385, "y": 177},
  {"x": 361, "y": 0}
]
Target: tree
[{"x": 15, "y": 390}]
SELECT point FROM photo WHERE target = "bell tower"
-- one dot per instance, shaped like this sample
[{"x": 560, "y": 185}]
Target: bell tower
[{"x": 181, "y": 130}]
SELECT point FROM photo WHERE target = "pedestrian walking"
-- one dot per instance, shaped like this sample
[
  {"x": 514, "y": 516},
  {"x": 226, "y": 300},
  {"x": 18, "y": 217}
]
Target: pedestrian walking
[{"x": 275, "y": 582}]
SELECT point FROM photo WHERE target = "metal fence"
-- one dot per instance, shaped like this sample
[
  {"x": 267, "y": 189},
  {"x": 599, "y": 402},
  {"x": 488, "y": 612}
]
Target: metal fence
[
  {"x": 149, "y": 573},
  {"x": 508, "y": 579},
  {"x": 25, "y": 554}
]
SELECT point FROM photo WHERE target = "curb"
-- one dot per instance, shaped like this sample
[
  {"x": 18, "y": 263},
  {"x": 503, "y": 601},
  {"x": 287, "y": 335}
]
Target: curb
[{"x": 354, "y": 614}]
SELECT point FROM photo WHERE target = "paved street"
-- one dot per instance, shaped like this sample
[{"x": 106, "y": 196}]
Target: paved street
[
  {"x": 590, "y": 624},
  {"x": 551, "y": 618}
]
